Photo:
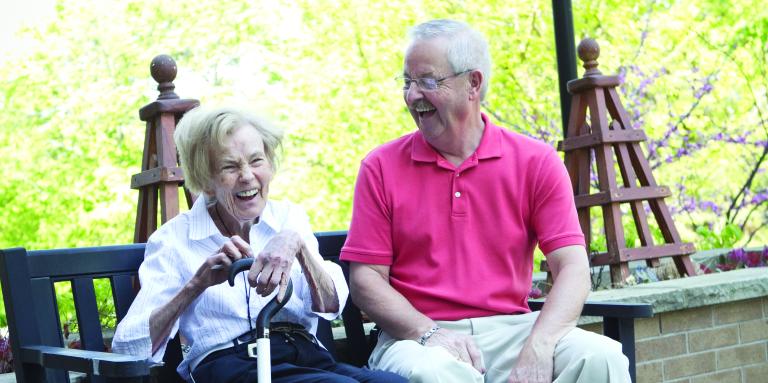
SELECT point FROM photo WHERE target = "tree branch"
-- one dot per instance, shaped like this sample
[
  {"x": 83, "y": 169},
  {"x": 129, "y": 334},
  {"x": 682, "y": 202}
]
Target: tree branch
[
  {"x": 752, "y": 210},
  {"x": 752, "y": 234}
]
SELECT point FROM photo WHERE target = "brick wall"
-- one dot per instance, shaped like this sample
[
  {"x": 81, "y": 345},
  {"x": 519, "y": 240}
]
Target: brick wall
[{"x": 726, "y": 342}]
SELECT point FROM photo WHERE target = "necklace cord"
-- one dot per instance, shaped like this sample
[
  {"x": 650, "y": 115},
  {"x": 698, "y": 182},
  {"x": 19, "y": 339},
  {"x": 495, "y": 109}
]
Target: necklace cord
[
  {"x": 248, "y": 303},
  {"x": 245, "y": 282}
]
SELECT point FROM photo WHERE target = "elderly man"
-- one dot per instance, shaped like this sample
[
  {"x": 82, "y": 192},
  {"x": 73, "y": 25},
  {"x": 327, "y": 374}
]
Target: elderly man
[{"x": 444, "y": 225}]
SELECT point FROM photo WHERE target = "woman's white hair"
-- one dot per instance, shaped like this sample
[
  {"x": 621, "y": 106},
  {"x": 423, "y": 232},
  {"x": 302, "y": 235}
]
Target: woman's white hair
[
  {"x": 201, "y": 133},
  {"x": 465, "y": 48}
]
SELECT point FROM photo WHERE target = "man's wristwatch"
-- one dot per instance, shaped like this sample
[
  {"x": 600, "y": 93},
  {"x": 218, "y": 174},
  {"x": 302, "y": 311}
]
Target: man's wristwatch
[{"x": 425, "y": 337}]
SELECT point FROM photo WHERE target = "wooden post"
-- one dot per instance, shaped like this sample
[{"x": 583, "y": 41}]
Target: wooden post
[
  {"x": 609, "y": 134},
  {"x": 160, "y": 173}
]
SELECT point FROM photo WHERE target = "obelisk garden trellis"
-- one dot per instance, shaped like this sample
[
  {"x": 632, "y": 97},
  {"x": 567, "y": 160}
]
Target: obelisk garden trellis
[
  {"x": 608, "y": 133},
  {"x": 160, "y": 175}
]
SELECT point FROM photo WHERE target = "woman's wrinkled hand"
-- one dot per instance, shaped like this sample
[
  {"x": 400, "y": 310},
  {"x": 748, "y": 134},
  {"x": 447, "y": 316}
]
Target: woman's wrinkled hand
[
  {"x": 215, "y": 269},
  {"x": 272, "y": 267}
]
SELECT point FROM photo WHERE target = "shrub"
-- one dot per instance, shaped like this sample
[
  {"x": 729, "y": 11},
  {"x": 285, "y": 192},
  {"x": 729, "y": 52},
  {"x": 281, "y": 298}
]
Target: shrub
[
  {"x": 736, "y": 259},
  {"x": 6, "y": 356}
]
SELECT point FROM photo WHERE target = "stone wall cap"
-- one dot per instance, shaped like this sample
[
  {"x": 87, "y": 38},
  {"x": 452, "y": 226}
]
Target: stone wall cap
[{"x": 689, "y": 292}]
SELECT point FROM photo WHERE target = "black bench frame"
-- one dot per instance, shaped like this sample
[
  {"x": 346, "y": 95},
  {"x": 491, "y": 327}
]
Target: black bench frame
[{"x": 35, "y": 330}]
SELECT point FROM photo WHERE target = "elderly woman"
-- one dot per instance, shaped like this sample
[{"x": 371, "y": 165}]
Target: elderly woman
[{"x": 228, "y": 156}]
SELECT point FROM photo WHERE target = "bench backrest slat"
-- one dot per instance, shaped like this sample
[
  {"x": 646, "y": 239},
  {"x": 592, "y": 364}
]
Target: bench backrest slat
[
  {"x": 88, "y": 321},
  {"x": 48, "y": 323},
  {"x": 330, "y": 244},
  {"x": 122, "y": 294},
  {"x": 326, "y": 243},
  {"x": 46, "y": 314}
]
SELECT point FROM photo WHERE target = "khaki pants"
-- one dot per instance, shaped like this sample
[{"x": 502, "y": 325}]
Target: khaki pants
[{"x": 580, "y": 356}]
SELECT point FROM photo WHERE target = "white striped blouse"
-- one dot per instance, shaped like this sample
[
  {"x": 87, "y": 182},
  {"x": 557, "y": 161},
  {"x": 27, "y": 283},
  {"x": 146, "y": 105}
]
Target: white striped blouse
[{"x": 173, "y": 255}]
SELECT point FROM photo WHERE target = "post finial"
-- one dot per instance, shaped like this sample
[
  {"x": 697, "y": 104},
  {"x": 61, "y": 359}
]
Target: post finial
[
  {"x": 589, "y": 51},
  {"x": 163, "y": 70}
]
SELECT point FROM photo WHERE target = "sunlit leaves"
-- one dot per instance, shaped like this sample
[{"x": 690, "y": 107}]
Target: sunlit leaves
[{"x": 323, "y": 70}]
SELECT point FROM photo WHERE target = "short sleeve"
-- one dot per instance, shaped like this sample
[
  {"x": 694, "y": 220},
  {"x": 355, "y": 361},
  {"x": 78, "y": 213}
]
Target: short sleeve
[
  {"x": 554, "y": 216},
  {"x": 370, "y": 232}
]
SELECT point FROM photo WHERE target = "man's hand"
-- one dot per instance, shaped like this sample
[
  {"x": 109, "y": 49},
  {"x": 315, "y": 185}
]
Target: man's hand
[
  {"x": 462, "y": 346},
  {"x": 534, "y": 365},
  {"x": 570, "y": 271}
]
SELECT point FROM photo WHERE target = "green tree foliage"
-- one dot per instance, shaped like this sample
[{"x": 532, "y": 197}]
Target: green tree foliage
[{"x": 323, "y": 70}]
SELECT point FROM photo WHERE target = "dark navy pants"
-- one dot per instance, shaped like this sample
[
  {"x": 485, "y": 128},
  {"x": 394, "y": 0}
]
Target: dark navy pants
[{"x": 294, "y": 359}]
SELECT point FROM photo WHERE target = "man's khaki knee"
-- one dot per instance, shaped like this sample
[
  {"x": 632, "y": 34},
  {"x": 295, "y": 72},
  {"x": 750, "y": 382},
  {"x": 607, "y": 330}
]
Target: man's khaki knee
[
  {"x": 421, "y": 364},
  {"x": 582, "y": 357},
  {"x": 444, "y": 370}
]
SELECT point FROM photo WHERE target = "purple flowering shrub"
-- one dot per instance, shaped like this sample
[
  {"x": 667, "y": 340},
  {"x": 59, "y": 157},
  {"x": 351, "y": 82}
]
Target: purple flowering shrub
[
  {"x": 535, "y": 293},
  {"x": 736, "y": 259},
  {"x": 6, "y": 357}
]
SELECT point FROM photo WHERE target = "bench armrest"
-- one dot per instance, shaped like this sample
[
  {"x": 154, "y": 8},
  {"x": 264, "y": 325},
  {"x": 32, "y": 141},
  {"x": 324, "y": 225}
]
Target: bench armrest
[
  {"x": 89, "y": 362},
  {"x": 618, "y": 310},
  {"x": 608, "y": 309}
]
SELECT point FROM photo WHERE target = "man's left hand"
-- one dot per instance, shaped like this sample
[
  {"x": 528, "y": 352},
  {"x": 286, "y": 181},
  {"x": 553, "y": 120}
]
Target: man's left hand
[{"x": 535, "y": 364}]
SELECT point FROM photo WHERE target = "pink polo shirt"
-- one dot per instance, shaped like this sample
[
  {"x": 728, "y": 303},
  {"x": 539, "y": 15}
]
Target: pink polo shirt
[{"x": 459, "y": 240}]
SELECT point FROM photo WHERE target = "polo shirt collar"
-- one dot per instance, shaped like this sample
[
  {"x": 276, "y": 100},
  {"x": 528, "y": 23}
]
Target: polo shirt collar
[
  {"x": 490, "y": 144},
  {"x": 202, "y": 225}
]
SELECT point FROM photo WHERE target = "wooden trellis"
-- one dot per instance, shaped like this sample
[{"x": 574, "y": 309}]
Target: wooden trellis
[
  {"x": 160, "y": 175},
  {"x": 616, "y": 145}
]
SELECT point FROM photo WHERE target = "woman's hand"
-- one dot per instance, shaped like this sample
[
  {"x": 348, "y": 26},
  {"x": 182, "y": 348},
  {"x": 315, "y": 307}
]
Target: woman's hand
[
  {"x": 272, "y": 266},
  {"x": 213, "y": 271},
  {"x": 215, "y": 268}
]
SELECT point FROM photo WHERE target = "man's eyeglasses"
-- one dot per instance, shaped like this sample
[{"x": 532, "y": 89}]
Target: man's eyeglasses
[{"x": 427, "y": 83}]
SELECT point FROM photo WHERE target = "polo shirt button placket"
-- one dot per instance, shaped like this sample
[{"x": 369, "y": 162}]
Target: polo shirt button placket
[{"x": 459, "y": 197}]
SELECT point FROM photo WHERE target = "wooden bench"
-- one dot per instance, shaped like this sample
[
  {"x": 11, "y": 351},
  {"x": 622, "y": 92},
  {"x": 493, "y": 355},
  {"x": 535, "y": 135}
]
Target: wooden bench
[{"x": 36, "y": 336}]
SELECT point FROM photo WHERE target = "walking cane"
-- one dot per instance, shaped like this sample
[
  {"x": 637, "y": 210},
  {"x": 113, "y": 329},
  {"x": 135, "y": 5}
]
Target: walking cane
[{"x": 263, "y": 355}]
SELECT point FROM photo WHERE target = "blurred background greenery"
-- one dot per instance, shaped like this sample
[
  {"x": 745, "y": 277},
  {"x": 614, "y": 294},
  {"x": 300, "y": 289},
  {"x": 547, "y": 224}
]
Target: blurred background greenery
[{"x": 71, "y": 85}]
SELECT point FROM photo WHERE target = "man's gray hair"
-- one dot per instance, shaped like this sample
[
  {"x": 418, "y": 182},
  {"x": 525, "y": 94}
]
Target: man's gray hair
[{"x": 466, "y": 48}]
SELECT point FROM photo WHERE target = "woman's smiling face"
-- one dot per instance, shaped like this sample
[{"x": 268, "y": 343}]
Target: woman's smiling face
[{"x": 241, "y": 174}]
